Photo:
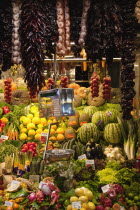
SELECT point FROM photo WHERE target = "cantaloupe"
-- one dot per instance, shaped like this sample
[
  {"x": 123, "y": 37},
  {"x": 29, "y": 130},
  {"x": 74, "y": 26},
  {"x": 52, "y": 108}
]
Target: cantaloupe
[
  {"x": 73, "y": 122},
  {"x": 70, "y": 133}
]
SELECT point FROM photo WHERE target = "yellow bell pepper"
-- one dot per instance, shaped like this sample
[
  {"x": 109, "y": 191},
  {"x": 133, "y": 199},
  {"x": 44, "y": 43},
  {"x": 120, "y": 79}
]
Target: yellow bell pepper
[{"x": 4, "y": 120}]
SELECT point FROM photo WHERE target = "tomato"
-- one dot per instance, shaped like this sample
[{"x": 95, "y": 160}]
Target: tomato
[
  {"x": 36, "y": 144},
  {"x": 31, "y": 146},
  {"x": 23, "y": 150},
  {"x": 34, "y": 149},
  {"x": 30, "y": 150}
]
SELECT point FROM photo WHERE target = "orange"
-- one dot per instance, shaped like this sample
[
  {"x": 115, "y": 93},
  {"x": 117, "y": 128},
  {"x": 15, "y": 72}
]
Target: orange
[
  {"x": 60, "y": 131},
  {"x": 50, "y": 143},
  {"x": 9, "y": 208},
  {"x": 52, "y": 138},
  {"x": 54, "y": 127},
  {"x": 16, "y": 206},
  {"x": 60, "y": 137},
  {"x": 52, "y": 132}
]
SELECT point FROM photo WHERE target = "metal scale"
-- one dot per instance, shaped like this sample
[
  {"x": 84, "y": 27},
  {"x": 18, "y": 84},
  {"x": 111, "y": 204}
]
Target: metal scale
[{"x": 55, "y": 103}]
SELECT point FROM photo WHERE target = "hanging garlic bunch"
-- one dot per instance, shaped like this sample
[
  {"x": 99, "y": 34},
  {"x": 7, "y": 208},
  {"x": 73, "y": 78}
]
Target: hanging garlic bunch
[
  {"x": 16, "y": 56},
  {"x": 137, "y": 11}
]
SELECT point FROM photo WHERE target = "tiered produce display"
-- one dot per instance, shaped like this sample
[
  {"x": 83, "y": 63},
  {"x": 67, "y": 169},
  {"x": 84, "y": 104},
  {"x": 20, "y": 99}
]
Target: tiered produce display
[
  {"x": 97, "y": 166},
  {"x": 97, "y": 134}
]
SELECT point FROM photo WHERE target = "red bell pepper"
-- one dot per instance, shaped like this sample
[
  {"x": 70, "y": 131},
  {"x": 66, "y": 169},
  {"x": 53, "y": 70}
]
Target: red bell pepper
[{"x": 6, "y": 109}]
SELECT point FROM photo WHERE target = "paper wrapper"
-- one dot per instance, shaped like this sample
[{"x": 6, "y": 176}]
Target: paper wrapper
[{"x": 7, "y": 179}]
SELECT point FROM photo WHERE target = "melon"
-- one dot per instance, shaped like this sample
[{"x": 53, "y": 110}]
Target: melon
[
  {"x": 84, "y": 118},
  {"x": 96, "y": 101},
  {"x": 70, "y": 134},
  {"x": 90, "y": 110},
  {"x": 112, "y": 115},
  {"x": 112, "y": 133},
  {"x": 100, "y": 119},
  {"x": 77, "y": 101},
  {"x": 73, "y": 122},
  {"x": 87, "y": 132}
]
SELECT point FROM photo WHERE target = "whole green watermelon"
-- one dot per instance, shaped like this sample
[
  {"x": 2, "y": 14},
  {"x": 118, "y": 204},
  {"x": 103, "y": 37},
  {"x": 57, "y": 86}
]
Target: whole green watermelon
[
  {"x": 88, "y": 131},
  {"x": 112, "y": 133},
  {"x": 100, "y": 119}
]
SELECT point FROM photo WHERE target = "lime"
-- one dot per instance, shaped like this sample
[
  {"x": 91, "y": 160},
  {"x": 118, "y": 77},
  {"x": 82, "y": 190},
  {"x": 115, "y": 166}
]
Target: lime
[
  {"x": 138, "y": 203},
  {"x": 67, "y": 202},
  {"x": 136, "y": 198},
  {"x": 130, "y": 195}
]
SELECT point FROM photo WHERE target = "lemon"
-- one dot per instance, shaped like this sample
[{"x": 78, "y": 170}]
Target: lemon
[
  {"x": 23, "y": 137},
  {"x": 79, "y": 192},
  {"x": 22, "y": 118},
  {"x": 91, "y": 206},
  {"x": 69, "y": 207},
  {"x": 31, "y": 126},
  {"x": 21, "y": 126},
  {"x": 50, "y": 121},
  {"x": 73, "y": 199},
  {"x": 89, "y": 194},
  {"x": 36, "y": 120},
  {"x": 40, "y": 126},
  {"x": 31, "y": 132},
  {"x": 36, "y": 114},
  {"x": 23, "y": 130},
  {"x": 30, "y": 116},
  {"x": 33, "y": 109},
  {"x": 43, "y": 121},
  {"x": 37, "y": 136},
  {"x": 83, "y": 199},
  {"x": 29, "y": 138},
  {"x": 39, "y": 130},
  {"x": 26, "y": 121},
  {"x": 45, "y": 131},
  {"x": 82, "y": 208},
  {"x": 85, "y": 205}
]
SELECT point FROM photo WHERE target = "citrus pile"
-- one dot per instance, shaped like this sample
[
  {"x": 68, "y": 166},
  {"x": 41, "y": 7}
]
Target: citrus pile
[
  {"x": 32, "y": 125},
  {"x": 85, "y": 196}
]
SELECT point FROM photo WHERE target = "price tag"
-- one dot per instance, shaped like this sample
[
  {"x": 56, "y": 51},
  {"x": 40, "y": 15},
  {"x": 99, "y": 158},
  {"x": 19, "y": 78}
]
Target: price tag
[
  {"x": 90, "y": 163},
  {"x": 15, "y": 182},
  {"x": 34, "y": 178},
  {"x": 4, "y": 137},
  {"x": 122, "y": 208},
  {"x": 8, "y": 203},
  {"x": 82, "y": 157},
  {"x": 76, "y": 205},
  {"x": 105, "y": 188},
  {"x": 44, "y": 134}
]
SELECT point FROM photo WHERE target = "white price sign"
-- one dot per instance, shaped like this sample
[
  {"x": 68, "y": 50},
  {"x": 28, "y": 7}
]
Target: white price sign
[
  {"x": 90, "y": 163},
  {"x": 82, "y": 157},
  {"x": 8, "y": 203},
  {"x": 44, "y": 134},
  {"x": 4, "y": 137},
  {"x": 76, "y": 205},
  {"x": 15, "y": 182},
  {"x": 105, "y": 188},
  {"x": 122, "y": 208}
]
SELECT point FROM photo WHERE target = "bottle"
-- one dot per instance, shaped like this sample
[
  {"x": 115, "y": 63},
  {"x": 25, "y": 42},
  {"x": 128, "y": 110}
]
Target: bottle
[{"x": 138, "y": 160}]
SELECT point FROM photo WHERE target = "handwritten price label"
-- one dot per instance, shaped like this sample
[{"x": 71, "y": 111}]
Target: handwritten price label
[
  {"x": 44, "y": 134},
  {"x": 8, "y": 203},
  {"x": 82, "y": 157},
  {"x": 15, "y": 182},
  {"x": 4, "y": 137},
  {"x": 105, "y": 188},
  {"x": 90, "y": 163},
  {"x": 76, "y": 205}
]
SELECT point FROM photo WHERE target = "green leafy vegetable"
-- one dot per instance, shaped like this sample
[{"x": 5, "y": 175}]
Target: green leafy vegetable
[
  {"x": 20, "y": 193},
  {"x": 106, "y": 176},
  {"x": 114, "y": 165},
  {"x": 126, "y": 176}
]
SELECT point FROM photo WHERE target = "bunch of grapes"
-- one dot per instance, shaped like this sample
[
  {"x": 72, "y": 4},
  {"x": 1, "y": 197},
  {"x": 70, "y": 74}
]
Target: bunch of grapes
[
  {"x": 50, "y": 83},
  {"x": 8, "y": 90},
  {"x": 64, "y": 82},
  {"x": 107, "y": 88},
  {"x": 94, "y": 84}
]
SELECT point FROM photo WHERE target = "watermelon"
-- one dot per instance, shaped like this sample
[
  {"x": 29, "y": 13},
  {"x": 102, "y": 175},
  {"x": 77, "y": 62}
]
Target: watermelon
[
  {"x": 100, "y": 119},
  {"x": 90, "y": 110},
  {"x": 112, "y": 115},
  {"x": 87, "y": 132},
  {"x": 112, "y": 133}
]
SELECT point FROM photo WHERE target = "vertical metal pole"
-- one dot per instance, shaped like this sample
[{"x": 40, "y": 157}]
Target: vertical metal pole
[{"x": 55, "y": 69}]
